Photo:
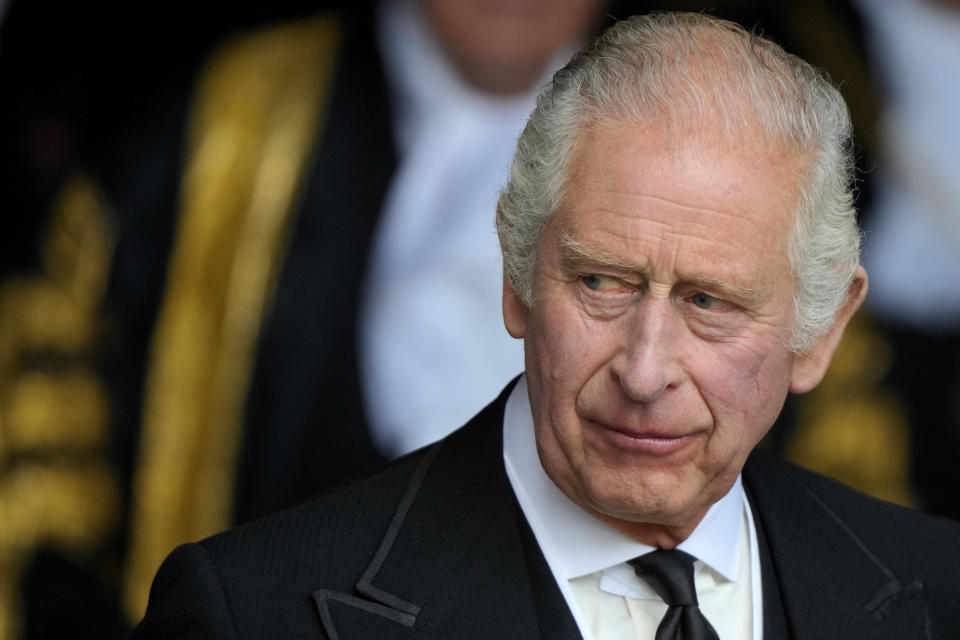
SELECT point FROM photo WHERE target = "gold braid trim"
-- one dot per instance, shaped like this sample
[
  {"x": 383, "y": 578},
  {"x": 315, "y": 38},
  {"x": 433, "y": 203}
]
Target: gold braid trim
[
  {"x": 55, "y": 310},
  {"x": 255, "y": 121},
  {"x": 57, "y": 486}
]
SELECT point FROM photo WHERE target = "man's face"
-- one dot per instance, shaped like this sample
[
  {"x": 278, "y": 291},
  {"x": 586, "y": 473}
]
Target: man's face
[
  {"x": 502, "y": 46},
  {"x": 657, "y": 343}
]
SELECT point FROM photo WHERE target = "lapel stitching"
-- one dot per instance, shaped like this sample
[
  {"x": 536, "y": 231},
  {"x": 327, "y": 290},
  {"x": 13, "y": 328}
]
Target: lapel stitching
[
  {"x": 887, "y": 599},
  {"x": 890, "y": 595},
  {"x": 322, "y": 598},
  {"x": 380, "y": 602}
]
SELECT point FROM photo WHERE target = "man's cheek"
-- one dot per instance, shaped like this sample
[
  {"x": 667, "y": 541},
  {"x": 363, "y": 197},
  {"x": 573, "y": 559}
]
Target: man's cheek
[
  {"x": 743, "y": 361},
  {"x": 570, "y": 364}
]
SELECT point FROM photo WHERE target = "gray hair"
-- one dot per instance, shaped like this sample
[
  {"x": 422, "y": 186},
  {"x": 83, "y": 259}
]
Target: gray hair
[{"x": 678, "y": 67}]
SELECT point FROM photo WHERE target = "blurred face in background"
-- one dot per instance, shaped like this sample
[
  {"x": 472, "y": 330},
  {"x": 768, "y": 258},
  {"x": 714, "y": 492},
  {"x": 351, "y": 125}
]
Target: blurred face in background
[{"x": 503, "y": 46}]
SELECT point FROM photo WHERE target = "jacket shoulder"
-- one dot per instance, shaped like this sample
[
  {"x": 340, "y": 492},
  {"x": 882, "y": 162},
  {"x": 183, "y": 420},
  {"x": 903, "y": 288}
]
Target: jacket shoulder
[
  {"x": 868, "y": 515},
  {"x": 259, "y": 577},
  {"x": 805, "y": 511},
  {"x": 336, "y": 525},
  {"x": 347, "y": 521}
]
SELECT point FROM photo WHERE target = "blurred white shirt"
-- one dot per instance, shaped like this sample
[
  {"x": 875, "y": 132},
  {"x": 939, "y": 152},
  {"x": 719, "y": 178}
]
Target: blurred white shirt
[
  {"x": 912, "y": 252},
  {"x": 433, "y": 348}
]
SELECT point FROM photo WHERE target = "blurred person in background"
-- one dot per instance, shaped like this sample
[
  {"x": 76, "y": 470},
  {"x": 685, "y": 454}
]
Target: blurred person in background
[
  {"x": 912, "y": 223},
  {"x": 886, "y": 418},
  {"x": 239, "y": 260},
  {"x": 680, "y": 248},
  {"x": 219, "y": 323}
]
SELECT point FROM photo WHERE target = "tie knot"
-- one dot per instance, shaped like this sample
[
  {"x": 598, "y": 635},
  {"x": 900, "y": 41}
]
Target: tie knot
[{"x": 670, "y": 573}]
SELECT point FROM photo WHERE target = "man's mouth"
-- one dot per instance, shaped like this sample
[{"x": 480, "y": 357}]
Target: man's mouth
[{"x": 644, "y": 440}]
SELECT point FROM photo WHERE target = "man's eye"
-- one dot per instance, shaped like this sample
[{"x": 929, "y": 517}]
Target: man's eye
[
  {"x": 598, "y": 282},
  {"x": 704, "y": 300}
]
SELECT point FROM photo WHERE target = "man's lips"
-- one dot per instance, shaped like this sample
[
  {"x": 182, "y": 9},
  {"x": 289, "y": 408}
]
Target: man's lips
[{"x": 644, "y": 439}]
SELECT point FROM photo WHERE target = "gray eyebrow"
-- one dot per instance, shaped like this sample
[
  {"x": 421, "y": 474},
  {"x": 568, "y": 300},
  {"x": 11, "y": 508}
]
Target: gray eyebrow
[{"x": 577, "y": 253}]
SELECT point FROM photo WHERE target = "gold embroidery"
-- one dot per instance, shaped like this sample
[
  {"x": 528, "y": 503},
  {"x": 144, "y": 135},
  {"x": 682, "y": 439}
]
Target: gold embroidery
[
  {"x": 57, "y": 487},
  {"x": 45, "y": 412},
  {"x": 67, "y": 504},
  {"x": 77, "y": 250},
  {"x": 38, "y": 316},
  {"x": 258, "y": 105}
]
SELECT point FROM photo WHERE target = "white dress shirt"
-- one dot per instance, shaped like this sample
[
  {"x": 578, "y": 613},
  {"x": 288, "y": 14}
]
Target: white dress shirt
[
  {"x": 433, "y": 349},
  {"x": 588, "y": 558}
]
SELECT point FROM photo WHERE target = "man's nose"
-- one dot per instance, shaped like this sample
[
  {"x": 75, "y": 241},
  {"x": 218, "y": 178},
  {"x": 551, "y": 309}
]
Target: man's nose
[{"x": 647, "y": 363}]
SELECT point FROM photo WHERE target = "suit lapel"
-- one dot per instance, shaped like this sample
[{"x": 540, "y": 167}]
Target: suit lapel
[
  {"x": 458, "y": 561},
  {"x": 831, "y": 583},
  {"x": 454, "y": 561}
]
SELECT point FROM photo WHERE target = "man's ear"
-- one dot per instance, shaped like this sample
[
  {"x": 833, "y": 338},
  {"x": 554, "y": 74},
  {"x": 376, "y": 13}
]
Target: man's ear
[
  {"x": 810, "y": 366},
  {"x": 514, "y": 310}
]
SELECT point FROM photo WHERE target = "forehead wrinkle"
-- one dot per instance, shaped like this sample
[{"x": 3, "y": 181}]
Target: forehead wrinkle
[
  {"x": 684, "y": 219},
  {"x": 698, "y": 209}
]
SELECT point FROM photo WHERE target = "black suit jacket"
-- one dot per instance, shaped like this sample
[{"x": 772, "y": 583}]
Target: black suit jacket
[{"x": 435, "y": 546}]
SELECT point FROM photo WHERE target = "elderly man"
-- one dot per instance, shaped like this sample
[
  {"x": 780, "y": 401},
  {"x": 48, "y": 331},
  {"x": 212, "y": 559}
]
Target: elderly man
[{"x": 680, "y": 251}]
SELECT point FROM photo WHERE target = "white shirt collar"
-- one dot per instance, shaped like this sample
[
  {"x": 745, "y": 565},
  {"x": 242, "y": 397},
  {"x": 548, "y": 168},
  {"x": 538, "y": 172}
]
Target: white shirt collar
[{"x": 575, "y": 543}]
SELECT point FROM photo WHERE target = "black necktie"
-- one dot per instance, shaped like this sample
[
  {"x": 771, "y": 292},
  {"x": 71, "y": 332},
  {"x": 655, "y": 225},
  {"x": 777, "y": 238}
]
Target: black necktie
[{"x": 670, "y": 574}]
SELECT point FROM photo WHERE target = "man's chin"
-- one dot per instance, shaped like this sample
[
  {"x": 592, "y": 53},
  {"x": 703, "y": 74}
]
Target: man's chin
[{"x": 645, "y": 505}]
